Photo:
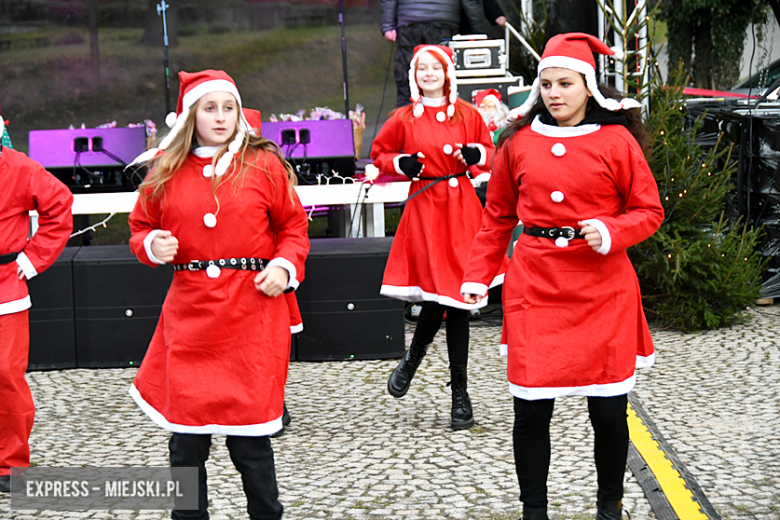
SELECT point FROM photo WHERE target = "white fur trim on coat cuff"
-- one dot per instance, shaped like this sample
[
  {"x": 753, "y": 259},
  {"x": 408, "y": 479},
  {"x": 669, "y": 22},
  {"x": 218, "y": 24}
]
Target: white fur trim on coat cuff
[
  {"x": 479, "y": 289},
  {"x": 395, "y": 162},
  {"x": 481, "y": 179},
  {"x": 148, "y": 246},
  {"x": 287, "y": 266},
  {"x": 503, "y": 350},
  {"x": 606, "y": 239},
  {"x": 27, "y": 268},
  {"x": 482, "y": 153}
]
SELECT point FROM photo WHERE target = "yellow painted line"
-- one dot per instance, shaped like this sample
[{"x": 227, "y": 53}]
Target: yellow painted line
[{"x": 670, "y": 480}]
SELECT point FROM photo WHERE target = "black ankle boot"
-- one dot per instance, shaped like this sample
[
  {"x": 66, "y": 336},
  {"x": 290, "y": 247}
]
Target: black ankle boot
[
  {"x": 534, "y": 513},
  {"x": 610, "y": 510},
  {"x": 286, "y": 420},
  {"x": 401, "y": 378},
  {"x": 462, "y": 415}
]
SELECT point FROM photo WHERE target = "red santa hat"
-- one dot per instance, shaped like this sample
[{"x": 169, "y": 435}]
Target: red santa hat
[
  {"x": 254, "y": 120},
  {"x": 452, "y": 95},
  {"x": 480, "y": 96},
  {"x": 574, "y": 51},
  {"x": 193, "y": 86}
]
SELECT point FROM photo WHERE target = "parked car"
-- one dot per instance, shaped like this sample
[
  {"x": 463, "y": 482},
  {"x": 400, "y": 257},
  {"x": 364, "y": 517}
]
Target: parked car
[{"x": 758, "y": 82}]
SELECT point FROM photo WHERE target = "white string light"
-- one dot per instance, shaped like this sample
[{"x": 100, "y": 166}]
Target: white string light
[{"x": 93, "y": 227}]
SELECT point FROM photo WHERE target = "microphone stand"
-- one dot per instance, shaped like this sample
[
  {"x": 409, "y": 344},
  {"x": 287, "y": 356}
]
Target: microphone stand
[
  {"x": 344, "y": 57},
  {"x": 161, "y": 8}
]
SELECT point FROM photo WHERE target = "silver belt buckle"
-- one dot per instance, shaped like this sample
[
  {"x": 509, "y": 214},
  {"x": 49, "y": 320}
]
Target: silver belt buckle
[
  {"x": 193, "y": 265},
  {"x": 569, "y": 232}
]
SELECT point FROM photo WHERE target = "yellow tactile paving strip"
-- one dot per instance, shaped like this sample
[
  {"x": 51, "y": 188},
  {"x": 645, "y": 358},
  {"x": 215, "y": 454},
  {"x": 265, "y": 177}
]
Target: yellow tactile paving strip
[{"x": 670, "y": 480}]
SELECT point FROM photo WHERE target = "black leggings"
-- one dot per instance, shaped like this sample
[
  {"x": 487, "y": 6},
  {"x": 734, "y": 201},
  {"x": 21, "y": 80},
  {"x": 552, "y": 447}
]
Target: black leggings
[
  {"x": 531, "y": 438},
  {"x": 252, "y": 457},
  {"x": 428, "y": 325}
]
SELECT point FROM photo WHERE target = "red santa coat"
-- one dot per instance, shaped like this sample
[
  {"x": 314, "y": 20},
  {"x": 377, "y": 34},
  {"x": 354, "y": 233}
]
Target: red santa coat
[
  {"x": 573, "y": 317},
  {"x": 218, "y": 359},
  {"x": 430, "y": 247},
  {"x": 27, "y": 186}
]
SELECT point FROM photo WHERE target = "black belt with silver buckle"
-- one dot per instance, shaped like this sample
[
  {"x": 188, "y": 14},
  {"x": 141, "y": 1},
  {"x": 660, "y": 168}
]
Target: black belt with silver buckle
[
  {"x": 566, "y": 232},
  {"x": 244, "y": 264},
  {"x": 7, "y": 259}
]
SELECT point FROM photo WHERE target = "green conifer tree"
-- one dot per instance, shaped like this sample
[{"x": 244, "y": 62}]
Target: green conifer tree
[{"x": 699, "y": 270}]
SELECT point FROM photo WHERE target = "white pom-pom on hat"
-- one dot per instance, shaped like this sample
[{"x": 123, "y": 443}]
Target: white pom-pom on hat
[{"x": 170, "y": 119}]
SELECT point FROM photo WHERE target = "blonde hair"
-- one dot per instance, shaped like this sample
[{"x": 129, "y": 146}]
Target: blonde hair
[{"x": 166, "y": 165}]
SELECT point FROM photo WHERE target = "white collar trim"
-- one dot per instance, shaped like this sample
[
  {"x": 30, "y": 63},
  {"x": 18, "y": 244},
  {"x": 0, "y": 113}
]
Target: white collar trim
[
  {"x": 562, "y": 131},
  {"x": 434, "y": 102},
  {"x": 205, "y": 151}
]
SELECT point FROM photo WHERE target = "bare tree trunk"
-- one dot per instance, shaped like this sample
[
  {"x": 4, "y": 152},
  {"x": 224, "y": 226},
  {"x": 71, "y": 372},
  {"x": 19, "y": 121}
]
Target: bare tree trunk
[{"x": 153, "y": 35}]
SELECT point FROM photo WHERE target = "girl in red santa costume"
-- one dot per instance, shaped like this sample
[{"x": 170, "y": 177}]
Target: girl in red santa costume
[
  {"x": 572, "y": 169},
  {"x": 434, "y": 142},
  {"x": 26, "y": 187},
  {"x": 219, "y": 205}
]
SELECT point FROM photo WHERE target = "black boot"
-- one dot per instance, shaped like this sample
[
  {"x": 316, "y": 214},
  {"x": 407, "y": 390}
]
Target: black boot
[
  {"x": 286, "y": 420},
  {"x": 401, "y": 378},
  {"x": 610, "y": 510},
  {"x": 462, "y": 415},
  {"x": 534, "y": 513}
]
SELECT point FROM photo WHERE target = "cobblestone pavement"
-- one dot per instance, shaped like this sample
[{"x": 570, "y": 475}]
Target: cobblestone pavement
[{"x": 354, "y": 452}]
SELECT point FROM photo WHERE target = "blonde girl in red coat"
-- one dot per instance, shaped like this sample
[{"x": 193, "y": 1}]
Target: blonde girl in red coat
[
  {"x": 573, "y": 171},
  {"x": 434, "y": 142},
  {"x": 219, "y": 205}
]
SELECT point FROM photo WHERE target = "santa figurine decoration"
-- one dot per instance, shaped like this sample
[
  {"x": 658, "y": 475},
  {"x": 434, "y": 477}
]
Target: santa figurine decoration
[{"x": 493, "y": 111}]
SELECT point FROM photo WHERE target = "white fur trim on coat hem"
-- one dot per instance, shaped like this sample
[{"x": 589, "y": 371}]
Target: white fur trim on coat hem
[
  {"x": 645, "y": 361},
  {"x": 605, "y": 390},
  {"x": 243, "y": 430},
  {"x": 15, "y": 306},
  {"x": 416, "y": 294}
]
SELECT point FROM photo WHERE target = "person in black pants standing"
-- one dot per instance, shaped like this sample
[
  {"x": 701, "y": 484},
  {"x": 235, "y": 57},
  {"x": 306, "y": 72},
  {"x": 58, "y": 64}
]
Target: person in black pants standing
[{"x": 410, "y": 23}]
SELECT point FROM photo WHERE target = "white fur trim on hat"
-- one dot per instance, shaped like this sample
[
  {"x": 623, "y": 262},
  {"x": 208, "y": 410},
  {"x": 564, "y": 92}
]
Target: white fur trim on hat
[
  {"x": 584, "y": 68},
  {"x": 215, "y": 85}
]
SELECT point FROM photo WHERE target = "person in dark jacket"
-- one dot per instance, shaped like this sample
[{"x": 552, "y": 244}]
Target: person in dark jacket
[
  {"x": 493, "y": 14},
  {"x": 412, "y": 22}
]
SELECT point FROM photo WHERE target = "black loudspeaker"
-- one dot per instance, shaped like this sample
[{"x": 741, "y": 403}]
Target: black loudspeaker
[
  {"x": 52, "y": 327},
  {"x": 344, "y": 317},
  {"x": 117, "y": 304}
]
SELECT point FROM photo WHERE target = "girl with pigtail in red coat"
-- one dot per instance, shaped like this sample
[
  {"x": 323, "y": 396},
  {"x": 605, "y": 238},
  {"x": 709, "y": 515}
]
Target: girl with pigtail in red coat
[{"x": 436, "y": 142}]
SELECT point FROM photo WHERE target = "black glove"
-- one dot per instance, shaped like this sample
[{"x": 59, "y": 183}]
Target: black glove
[
  {"x": 471, "y": 155},
  {"x": 410, "y": 166}
]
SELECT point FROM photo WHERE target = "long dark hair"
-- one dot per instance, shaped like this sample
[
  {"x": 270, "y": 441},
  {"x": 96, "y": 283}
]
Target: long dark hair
[{"x": 633, "y": 116}]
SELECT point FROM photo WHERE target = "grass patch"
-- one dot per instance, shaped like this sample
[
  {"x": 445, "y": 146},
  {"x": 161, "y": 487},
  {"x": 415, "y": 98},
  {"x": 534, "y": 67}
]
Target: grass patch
[{"x": 277, "y": 71}]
